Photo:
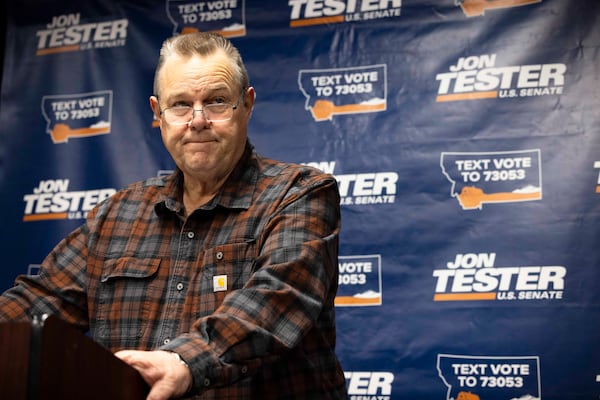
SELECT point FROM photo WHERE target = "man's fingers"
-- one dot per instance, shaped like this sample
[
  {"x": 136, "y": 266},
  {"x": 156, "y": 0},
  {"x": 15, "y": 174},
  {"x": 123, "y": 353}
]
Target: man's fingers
[
  {"x": 166, "y": 376},
  {"x": 159, "y": 392},
  {"x": 126, "y": 355},
  {"x": 137, "y": 360}
]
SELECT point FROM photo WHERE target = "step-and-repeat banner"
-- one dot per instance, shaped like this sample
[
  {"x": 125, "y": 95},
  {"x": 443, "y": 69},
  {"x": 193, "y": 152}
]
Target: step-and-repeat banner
[{"x": 465, "y": 136}]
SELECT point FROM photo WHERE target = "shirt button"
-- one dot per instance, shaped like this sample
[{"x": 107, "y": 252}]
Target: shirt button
[
  {"x": 179, "y": 286},
  {"x": 190, "y": 235},
  {"x": 220, "y": 255},
  {"x": 206, "y": 382},
  {"x": 166, "y": 341},
  {"x": 244, "y": 369}
]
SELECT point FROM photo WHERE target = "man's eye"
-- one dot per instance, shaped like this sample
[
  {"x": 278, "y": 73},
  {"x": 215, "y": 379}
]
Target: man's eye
[
  {"x": 217, "y": 100},
  {"x": 179, "y": 110}
]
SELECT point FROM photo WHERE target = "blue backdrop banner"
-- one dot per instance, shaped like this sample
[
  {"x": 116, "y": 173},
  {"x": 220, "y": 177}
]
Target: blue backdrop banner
[{"x": 464, "y": 134}]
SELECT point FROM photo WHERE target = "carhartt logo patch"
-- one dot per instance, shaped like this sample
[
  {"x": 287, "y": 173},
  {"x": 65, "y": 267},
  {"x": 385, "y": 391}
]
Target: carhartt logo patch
[{"x": 219, "y": 283}]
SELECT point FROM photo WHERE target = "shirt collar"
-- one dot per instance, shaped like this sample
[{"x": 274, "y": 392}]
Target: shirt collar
[{"x": 237, "y": 191}]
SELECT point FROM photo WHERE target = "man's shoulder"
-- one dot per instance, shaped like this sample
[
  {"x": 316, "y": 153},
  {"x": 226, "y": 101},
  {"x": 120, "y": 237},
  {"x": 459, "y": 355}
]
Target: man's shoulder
[
  {"x": 275, "y": 175},
  {"x": 144, "y": 185},
  {"x": 269, "y": 167},
  {"x": 136, "y": 194}
]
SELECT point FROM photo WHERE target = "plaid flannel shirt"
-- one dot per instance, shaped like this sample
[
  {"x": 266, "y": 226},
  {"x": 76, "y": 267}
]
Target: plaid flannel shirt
[{"x": 243, "y": 288}]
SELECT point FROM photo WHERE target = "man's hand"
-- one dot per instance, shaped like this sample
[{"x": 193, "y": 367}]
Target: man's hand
[{"x": 166, "y": 376}]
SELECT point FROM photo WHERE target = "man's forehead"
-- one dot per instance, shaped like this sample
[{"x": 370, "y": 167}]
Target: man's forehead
[
  {"x": 216, "y": 59},
  {"x": 213, "y": 72}
]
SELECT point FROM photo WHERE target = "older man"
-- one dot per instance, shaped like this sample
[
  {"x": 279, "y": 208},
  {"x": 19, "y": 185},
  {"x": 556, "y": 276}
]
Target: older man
[{"x": 217, "y": 282}]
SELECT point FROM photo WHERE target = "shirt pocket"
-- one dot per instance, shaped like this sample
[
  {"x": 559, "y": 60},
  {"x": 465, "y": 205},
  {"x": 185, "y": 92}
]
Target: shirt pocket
[
  {"x": 127, "y": 297},
  {"x": 226, "y": 268}
]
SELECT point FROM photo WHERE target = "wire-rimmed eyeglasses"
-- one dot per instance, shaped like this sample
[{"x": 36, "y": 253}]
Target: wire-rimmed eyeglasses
[{"x": 214, "y": 112}]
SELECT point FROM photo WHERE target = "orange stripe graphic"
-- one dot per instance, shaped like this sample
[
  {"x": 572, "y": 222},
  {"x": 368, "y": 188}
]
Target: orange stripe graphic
[
  {"x": 317, "y": 21},
  {"x": 324, "y": 109},
  {"x": 598, "y": 189},
  {"x": 54, "y": 50},
  {"x": 349, "y": 300},
  {"x": 473, "y": 8},
  {"x": 62, "y": 132},
  {"x": 189, "y": 29},
  {"x": 467, "y": 96},
  {"x": 474, "y": 197},
  {"x": 233, "y": 33},
  {"x": 41, "y": 217},
  {"x": 227, "y": 33},
  {"x": 464, "y": 296}
]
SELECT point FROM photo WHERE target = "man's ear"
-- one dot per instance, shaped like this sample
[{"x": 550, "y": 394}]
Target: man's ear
[
  {"x": 154, "y": 106},
  {"x": 249, "y": 98}
]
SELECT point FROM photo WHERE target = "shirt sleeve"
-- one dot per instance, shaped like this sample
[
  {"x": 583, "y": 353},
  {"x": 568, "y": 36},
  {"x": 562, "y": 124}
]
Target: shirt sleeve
[{"x": 59, "y": 288}]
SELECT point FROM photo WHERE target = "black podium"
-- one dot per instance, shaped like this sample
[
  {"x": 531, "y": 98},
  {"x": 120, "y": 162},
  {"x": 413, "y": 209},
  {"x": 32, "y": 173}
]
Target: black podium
[{"x": 49, "y": 359}]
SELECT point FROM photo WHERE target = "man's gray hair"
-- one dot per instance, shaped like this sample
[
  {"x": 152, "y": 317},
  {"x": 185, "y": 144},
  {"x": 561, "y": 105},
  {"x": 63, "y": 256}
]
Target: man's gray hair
[{"x": 202, "y": 44}]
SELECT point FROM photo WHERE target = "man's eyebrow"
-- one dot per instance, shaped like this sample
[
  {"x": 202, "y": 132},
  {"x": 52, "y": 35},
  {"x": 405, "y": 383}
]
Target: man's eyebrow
[
  {"x": 219, "y": 89},
  {"x": 209, "y": 91}
]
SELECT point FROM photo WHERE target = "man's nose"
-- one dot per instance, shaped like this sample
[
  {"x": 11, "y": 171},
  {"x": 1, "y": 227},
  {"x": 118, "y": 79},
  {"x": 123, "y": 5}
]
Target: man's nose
[{"x": 196, "y": 112}]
